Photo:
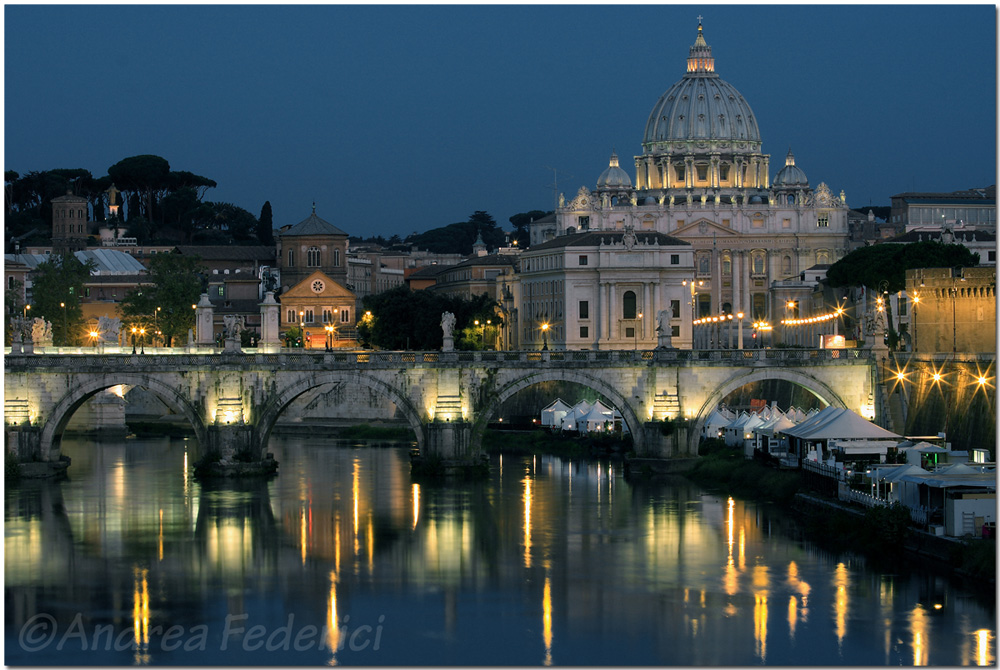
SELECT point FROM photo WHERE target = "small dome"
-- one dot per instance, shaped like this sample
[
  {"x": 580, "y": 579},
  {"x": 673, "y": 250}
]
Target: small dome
[
  {"x": 614, "y": 176},
  {"x": 649, "y": 200},
  {"x": 790, "y": 175}
]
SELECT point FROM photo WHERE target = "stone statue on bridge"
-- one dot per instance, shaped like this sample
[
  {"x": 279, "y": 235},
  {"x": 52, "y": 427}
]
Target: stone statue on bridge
[
  {"x": 447, "y": 328},
  {"x": 41, "y": 331},
  {"x": 663, "y": 330},
  {"x": 109, "y": 328},
  {"x": 234, "y": 325}
]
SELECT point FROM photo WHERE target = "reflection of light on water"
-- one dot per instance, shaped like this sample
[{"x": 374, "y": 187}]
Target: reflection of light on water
[
  {"x": 919, "y": 627},
  {"x": 547, "y": 619},
  {"x": 159, "y": 537},
  {"x": 303, "y": 538},
  {"x": 416, "y": 504},
  {"x": 794, "y": 613},
  {"x": 730, "y": 577},
  {"x": 793, "y": 616},
  {"x": 332, "y": 621},
  {"x": 840, "y": 601},
  {"x": 984, "y": 652},
  {"x": 886, "y": 596},
  {"x": 140, "y": 615},
  {"x": 527, "y": 522},
  {"x": 760, "y": 624},
  {"x": 356, "y": 493}
]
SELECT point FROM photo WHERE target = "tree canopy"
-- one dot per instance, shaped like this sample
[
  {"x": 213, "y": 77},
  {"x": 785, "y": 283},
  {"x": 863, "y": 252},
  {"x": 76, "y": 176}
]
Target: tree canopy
[
  {"x": 522, "y": 221},
  {"x": 401, "y": 319},
  {"x": 57, "y": 286},
  {"x": 868, "y": 266},
  {"x": 458, "y": 238},
  {"x": 164, "y": 303}
]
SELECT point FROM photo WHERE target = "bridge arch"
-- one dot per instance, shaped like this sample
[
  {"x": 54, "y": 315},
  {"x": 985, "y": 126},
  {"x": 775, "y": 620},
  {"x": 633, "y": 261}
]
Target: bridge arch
[
  {"x": 64, "y": 408},
  {"x": 500, "y": 396},
  {"x": 277, "y": 403},
  {"x": 810, "y": 383}
]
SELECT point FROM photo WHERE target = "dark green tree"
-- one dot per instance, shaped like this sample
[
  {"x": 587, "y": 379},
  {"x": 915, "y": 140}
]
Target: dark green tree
[
  {"x": 404, "y": 319},
  {"x": 172, "y": 285},
  {"x": 141, "y": 179},
  {"x": 521, "y": 222},
  {"x": 869, "y": 266},
  {"x": 57, "y": 287},
  {"x": 265, "y": 225},
  {"x": 458, "y": 238}
]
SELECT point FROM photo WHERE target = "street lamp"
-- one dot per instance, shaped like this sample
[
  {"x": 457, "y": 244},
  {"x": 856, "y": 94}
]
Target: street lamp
[
  {"x": 476, "y": 324},
  {"x": 65, "y": 333},
  {"x": 329, "y": 336},
  {"x": 635, "y": 331},
  {"x": 729, "y": 329},
  {"x": 93, "y": 338},
  {"x": 134, "y": 331},
  {"x": 545, "y": 339},
  {"x": 739, "y": 338},
  {"x": 302, "y": 327},
  {"x": 142, "y": 340}
]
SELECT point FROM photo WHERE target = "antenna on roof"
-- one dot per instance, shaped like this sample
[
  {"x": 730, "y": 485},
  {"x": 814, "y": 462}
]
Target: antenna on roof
[{"x": 555, "y": 186}]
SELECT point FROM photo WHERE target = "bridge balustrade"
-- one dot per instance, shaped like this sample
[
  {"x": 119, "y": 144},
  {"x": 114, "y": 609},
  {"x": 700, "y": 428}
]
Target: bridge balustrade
[{"x": 323, "y": 360}]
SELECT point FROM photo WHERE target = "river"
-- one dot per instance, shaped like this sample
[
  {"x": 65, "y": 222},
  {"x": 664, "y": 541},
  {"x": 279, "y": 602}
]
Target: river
[{"x": 344, "y": 559}]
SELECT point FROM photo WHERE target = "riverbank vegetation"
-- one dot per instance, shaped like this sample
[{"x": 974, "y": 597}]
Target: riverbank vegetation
[{"x": 726, "y": 468}]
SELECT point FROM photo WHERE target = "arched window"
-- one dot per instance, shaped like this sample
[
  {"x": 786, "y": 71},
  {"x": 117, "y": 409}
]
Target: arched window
[
  {"x": 703, "y": 264},
  {"x": 727, "y": 265},
  {"x": 791, "y": 199},
  {"x": 628, "y": 305},
  {"x": 312, "y": 257},
  {"x": 786, "y": 265},
  {"x": 822, "y": 257},
  {"x": 758, "y": 262}
]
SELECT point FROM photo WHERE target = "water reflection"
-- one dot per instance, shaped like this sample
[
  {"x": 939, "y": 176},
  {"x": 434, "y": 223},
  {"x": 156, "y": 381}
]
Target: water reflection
[{"x": 363, "y": 565}]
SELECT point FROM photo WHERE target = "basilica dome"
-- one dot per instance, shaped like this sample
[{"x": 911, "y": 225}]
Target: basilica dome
[
  {"x": 614, "y": 177},
  {"x": 701, "y": 106}
]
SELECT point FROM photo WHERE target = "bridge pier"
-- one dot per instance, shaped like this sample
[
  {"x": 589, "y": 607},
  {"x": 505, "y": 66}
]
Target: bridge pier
[
  {"x": 448, "y": 447},
  {"x": 24, "y": 443},
  {"x": 232, "y": 451}
]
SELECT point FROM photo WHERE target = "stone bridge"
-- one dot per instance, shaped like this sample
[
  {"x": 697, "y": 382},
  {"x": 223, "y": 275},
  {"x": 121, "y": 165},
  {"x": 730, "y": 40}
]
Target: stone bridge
[{"x": 232, "y": 400}]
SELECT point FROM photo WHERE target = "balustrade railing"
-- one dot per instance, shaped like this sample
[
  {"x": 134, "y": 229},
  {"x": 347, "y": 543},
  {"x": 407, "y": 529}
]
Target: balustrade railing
[{"x": 308, "y": 358}]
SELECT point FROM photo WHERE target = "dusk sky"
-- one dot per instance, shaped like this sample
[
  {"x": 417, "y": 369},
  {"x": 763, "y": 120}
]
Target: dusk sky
[{"x": 401, "y": 118}]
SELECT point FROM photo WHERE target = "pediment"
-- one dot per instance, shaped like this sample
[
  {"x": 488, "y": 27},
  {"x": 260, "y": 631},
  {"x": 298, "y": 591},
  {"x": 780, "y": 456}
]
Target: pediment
[
  {"x": 331, "y": 289},
  {"x": 703, "y": 228}
]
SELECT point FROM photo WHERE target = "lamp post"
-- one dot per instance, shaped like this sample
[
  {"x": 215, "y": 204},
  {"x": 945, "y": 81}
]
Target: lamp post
[
  {"x": 329, "y": 336},
  {"x": 302, "y": 328},
  {"x": 134, "y": 331},
  {"x": 739, "y": 333},
  {"x": 476, "y": 324},
  {"x": 142, "y": 340},
  {"x": 545, "y": 339},
  {"x": 729, "y": 328},
  {"x": 65, "y": 334},
  {"x": 156, "y": 327},
  {"x": 489, "y": 324},
  {"x": 635, "y": 331},
  {"x": 93, "y": 338},
  {"x": 913, "y": 320}
]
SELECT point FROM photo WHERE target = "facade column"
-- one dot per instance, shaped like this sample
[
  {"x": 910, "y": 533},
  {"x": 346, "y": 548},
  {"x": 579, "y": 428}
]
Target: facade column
[
  {"x": 716, "y": 281},
  {"x": 688, "y": 167},
  {"x": 612, "y": 313},
  {"x": 736, "y": 257},
  {"x": 648, "y": 313}
]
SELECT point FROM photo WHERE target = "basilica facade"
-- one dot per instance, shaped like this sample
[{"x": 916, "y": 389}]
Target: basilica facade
[{"x": 703, "y": 180}]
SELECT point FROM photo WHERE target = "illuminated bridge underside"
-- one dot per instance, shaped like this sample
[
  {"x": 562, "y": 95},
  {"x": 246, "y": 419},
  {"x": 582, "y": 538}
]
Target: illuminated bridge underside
[{"x": 453, "y": 394}]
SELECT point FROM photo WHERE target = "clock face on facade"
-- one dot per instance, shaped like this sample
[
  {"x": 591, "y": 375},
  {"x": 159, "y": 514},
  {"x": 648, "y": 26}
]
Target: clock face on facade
[{"x": 318, "y": 286}]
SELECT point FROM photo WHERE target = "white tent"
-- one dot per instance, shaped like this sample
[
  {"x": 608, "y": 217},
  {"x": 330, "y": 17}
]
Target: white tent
[
  {"x": 594, "y": 420},
  {"x": 717, "y": 421},
  {"x": 840, "y": 429},
  {"x": 553, "y": 414},
  {"x": 580, "y": 410}
]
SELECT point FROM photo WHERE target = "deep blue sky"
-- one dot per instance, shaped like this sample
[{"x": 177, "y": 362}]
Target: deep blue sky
[{"x": 397, "y": 119}]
